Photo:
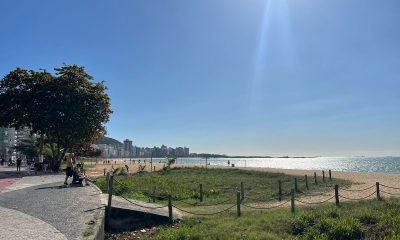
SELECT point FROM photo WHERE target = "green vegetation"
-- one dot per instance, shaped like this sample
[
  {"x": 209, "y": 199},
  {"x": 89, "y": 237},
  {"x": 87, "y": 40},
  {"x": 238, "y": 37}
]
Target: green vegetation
[
  {"x": 219, "y": 185},
  {"x": 67, "y": 109},
  {"x": 370, "y": 219}
]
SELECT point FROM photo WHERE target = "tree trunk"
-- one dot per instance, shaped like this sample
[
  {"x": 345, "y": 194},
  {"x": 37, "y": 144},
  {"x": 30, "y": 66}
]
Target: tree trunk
[{"x": 41, "y": 144}]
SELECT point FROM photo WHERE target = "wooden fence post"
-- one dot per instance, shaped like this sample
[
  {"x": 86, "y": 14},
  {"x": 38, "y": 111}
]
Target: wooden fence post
[
  {"x": 171, "y": 219},
  {"x": 279, "y": 190},
  {"x": 110, "y": 190},
  {"x": 315, "y": 178},
  {"x": 323, "y": 175},
  {"x": 238, "y": 203},
  {"x": 306, "y": 179},
  {"x": 292, "y": 201},
  {"x": 107, "y": 181},
  {"x": 201, "y": 192},
  {"x": 154, "y": 168},
  {"x": 337, "y": 195},
  {"x": 296, "y": 189},
  {"x": 154, "y": 193},
  {"x": 242, "y": 190},
  {"x": 378, "y": 195},
  {"x": 330, "y": 175}
]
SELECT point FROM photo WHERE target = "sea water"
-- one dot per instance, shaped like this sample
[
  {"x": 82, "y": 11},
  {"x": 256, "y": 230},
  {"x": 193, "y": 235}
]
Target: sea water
[{"x": 347, "y": 164}]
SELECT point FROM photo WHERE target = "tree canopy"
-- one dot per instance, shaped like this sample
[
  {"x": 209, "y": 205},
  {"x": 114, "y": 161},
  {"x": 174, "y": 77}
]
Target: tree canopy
[{"x": 66, "y": 107}]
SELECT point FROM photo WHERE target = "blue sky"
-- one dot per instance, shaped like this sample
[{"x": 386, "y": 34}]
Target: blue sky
[{"x": 299, "y": 77}]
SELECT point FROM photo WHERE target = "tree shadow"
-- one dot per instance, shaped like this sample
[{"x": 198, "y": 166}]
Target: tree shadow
[{"x": 61, "y": 187}]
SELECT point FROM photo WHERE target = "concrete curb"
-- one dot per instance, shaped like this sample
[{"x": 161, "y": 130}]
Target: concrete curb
[{"x": 99, "y": 219}]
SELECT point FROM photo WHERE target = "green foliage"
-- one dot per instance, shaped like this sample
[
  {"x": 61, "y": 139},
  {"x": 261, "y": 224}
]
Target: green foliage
[
  {"x": 171, "y": 160},
  {"x": 330, "y": 228},
  {"x": 67, "y": 108},
  {"x": 27, "y": 147},
  {"x": 119, "y": 171},
  {"x": 141, "y": 168},
  {"x": 370, "y": 219},
  {"x": 302, "y": 222}
]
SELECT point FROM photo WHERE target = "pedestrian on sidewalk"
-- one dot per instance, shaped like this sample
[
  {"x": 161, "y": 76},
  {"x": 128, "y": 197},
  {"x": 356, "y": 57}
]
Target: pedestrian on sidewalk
[
  {"x": 19, "y": 161},
  {"x": 69, "y": 171},
  {"x": 45, "y": 165}
]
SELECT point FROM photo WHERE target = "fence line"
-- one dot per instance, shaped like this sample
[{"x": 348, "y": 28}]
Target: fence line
[
  {"x": 203, "y": 205},
  {"x": 357, "y": 190},
  {"x": 394, "y": 194},
  {"x": 204, "y": 214},
  {"x": 265, "y": 208},
  {"x": 323, "y": 201},
  {"x": 357, "y": 199},
  {"x": 241, "y": 198},
  {"x": 139, "y": 205},
  {"x": 397, "y": 188}
]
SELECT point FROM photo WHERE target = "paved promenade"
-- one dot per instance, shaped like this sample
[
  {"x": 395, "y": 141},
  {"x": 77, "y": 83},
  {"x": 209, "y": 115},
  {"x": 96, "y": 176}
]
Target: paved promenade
[{"x": 40, "y": 207}]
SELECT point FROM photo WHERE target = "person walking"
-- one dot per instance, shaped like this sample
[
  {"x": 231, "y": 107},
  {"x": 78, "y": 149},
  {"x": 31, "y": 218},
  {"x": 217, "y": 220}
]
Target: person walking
[
  {"x": 69, "y": 170},
  {"x": 19, "y": 161},
  {"x": 45, "y": 165}
]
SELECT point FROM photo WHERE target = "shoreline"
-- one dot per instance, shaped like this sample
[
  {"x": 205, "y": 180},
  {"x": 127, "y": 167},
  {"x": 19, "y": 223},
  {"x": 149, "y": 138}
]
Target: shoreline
[{"x": 359, "y": 178}]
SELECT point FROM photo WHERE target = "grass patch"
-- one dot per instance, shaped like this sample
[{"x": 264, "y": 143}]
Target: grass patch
[
  {"x": 218, "y": 184},
  {"x": 370, "y": 219}
]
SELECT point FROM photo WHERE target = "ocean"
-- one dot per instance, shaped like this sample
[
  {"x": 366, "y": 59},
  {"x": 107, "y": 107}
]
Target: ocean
[{"x": 346, "y": 164}]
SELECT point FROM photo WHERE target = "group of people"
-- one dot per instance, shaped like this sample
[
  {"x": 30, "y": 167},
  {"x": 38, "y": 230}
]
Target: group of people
[{"x": 11, "y": 163}]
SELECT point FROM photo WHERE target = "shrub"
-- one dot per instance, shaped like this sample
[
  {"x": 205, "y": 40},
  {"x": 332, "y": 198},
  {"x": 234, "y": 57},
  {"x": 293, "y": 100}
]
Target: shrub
[
  {"x": 119, "y": 171},
  {"x": 302, "y": 222},
  {"x": 368, "y": 216},
  {"x": 182, "y": 233},
  {"x": 338, "y": 229}
]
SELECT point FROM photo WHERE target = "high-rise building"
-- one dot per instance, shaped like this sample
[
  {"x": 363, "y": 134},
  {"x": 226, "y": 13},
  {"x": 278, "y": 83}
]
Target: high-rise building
[
  {"x": 128, "y": 148},
  {"x": 186, "y": 151},
  {"x": 8, "y": 140}
]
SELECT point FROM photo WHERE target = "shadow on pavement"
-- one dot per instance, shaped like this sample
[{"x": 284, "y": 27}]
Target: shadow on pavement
[{"x": 61, "y": 187}]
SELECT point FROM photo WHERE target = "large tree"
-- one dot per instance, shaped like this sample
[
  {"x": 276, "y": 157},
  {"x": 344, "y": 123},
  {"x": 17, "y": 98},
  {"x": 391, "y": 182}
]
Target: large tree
[{"x": 67, "y": 109}]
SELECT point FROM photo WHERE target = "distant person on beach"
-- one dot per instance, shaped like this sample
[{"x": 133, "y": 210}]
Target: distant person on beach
[
  {"x": 19, "y": 161},
  {"x": 229, "y": 162},
  {"x": 2, "y": 161},
  {"x": 127, "y": 168},
  {"x": 69, "y": 170}
]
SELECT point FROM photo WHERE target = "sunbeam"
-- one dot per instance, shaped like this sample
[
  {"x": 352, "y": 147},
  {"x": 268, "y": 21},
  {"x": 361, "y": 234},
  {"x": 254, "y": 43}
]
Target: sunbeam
[{"x": 275, "y": 46}]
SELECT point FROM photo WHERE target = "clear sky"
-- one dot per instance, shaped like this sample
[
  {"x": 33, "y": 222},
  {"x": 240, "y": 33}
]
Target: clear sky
[{"x": 282, "y": 77}]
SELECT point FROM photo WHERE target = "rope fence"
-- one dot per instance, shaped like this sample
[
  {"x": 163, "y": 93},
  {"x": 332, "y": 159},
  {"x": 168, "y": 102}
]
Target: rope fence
[
  {"x": 397, "y": 188},
  {"x": 319, "y": 202},
  {"x": 204, "y": 214},
  {"x": 265, "y": 208},
  {"x": 357, "y": 190},
  {"x": 242, "y": 199},
  {"x": 357, "y": 199}
]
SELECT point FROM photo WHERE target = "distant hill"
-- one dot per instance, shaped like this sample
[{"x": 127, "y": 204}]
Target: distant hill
[{"x": 110, "y": 141}]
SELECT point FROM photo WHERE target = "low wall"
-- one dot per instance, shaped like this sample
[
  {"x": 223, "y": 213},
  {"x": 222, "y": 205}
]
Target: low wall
[{"x": 122, "y": 219}]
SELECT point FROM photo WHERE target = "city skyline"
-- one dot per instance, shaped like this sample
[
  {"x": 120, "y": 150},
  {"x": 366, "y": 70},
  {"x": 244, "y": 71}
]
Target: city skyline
[
  {"x": 113, "y": 148},
  {"x": 265, "y": 77}
]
